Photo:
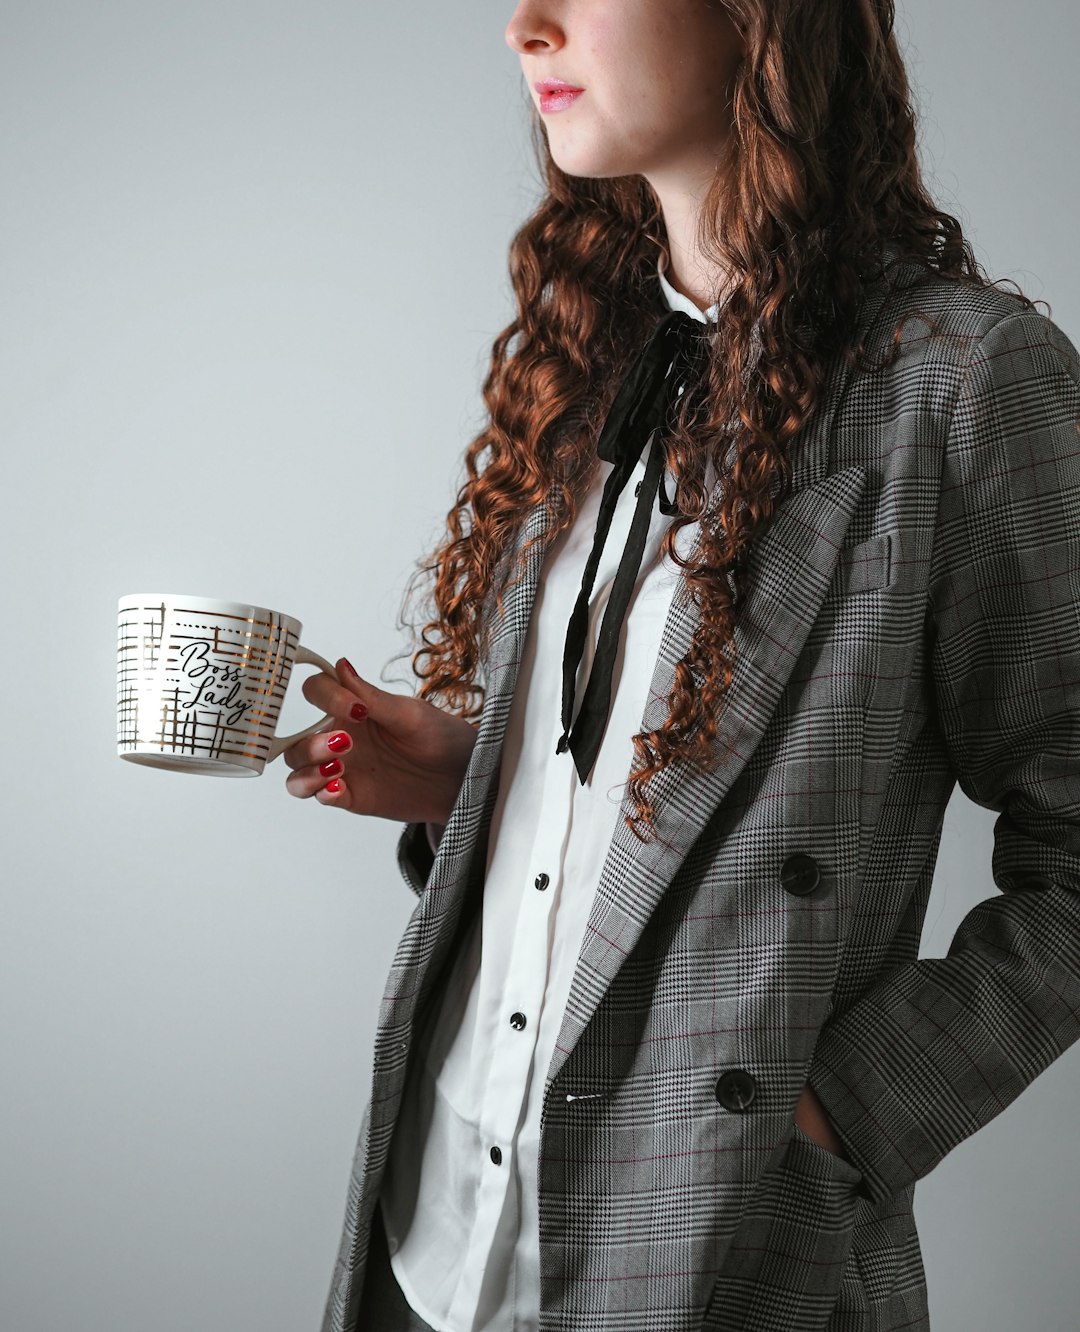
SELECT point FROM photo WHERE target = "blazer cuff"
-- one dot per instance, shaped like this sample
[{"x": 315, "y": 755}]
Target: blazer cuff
[
  {"x": 881, "y": 1139},
  {"x": 943, "y": 1045}
]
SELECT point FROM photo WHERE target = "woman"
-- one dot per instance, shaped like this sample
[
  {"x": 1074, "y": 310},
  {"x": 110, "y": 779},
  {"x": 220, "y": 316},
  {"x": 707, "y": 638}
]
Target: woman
[{"x": 773, "y": 535}]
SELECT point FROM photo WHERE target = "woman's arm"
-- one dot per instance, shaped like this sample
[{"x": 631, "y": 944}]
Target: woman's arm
[{"x": 940, "y": 1047}]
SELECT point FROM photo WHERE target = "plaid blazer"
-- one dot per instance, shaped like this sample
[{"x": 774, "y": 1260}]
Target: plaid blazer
[{"x": 912, "y": 622}]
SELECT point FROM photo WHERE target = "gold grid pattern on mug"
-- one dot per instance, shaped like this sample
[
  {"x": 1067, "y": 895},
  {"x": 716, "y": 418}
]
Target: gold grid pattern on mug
[{"x": 201, "y": 683}]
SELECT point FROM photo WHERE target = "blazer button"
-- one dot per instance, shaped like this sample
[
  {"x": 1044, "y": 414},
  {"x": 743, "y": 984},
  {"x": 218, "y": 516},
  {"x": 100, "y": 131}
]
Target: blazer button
[
  {"x": 800, "y": 875},
  {"x": 496, "y": 1156},
  {"x": 517, "y": 1021},
  {"x": 542, "y": 882},
  {"x": 736, "y": 1090}
]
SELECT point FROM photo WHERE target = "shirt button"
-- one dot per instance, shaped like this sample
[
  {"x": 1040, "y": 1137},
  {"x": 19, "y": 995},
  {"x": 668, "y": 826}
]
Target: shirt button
[
  {"x": 637, "y": 490},
  {"x": 517, "y": 1021},
  {"x": 496, "y": 1155},
  {"x": 542, "y": 882}
]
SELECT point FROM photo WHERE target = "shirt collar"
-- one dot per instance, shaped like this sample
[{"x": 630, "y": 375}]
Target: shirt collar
[{"x": 677, "y": 301}]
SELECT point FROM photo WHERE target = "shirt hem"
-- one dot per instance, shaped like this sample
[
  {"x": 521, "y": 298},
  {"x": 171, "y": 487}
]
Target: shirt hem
[{"x": 417, "y": 1306}]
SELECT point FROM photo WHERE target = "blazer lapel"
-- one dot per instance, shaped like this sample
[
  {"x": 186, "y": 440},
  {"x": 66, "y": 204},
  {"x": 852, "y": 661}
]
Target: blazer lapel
[
  {"x": 792, "y": 566},
  {"x": 791, "y": 569},
  {"x": 465, "y": 831}
]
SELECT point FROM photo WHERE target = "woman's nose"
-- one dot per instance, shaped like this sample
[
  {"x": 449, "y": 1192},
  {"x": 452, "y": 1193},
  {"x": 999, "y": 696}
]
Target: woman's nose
[{"x": 532, "y": 30}]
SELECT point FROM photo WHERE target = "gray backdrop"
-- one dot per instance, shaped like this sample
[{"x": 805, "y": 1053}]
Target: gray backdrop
[{"x": 252, "y": 258}]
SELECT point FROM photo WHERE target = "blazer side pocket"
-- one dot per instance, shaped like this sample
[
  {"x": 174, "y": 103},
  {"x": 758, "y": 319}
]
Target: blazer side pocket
[
  {"x": 843, "y": 1170},
  {"x": 792, "y": 1244}
]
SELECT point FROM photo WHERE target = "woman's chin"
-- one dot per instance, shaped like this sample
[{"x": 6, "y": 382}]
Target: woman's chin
[{"x": 591, "y": 166}]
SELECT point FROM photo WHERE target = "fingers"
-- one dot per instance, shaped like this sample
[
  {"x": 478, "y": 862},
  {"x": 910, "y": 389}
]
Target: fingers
[
  {"x": 334, "y": 792},
  {"x": 311, "y": 750},
  {"x": 310, "y": 780},
  {"x": 328, "y": 789},
  {"x": 353, "y": 699},
  {"x": 318, "y": 761}
]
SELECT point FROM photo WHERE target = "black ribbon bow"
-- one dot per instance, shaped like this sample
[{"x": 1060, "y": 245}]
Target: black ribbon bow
[{"x": 673, "y": 353}]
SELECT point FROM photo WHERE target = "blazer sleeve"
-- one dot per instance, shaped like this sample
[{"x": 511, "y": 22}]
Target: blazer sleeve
[{"x": 937, "y": 1048}]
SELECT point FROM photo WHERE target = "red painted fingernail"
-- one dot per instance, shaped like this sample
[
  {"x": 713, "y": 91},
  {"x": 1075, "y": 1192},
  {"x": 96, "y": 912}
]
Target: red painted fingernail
[
  {"x": 335, "y": 786},
  {"x": 358, "y": 712},
  {"x": 349, "y": 666},
  {"x": 339, "y": 743},
  {"x": 332, "y": 769}
]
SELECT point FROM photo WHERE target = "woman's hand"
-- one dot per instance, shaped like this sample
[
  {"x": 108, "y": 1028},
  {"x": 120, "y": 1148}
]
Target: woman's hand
[{"x": 391, "y": 755}]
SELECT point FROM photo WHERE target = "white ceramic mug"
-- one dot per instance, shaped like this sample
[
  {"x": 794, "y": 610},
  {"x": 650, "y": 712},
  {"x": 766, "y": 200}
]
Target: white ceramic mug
[{"x": 200, "y": 683}]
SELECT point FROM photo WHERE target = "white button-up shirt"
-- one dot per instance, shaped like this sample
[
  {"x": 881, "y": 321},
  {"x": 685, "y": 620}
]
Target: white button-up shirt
[{"x": 459, "y": 1197}]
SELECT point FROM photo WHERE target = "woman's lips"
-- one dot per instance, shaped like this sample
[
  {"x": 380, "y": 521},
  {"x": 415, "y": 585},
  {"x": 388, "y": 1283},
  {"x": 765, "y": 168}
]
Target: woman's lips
[{"x": 555, "y": 96}]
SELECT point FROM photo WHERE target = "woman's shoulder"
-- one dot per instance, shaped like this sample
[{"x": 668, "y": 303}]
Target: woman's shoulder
[{"x": 948, "y": 323}]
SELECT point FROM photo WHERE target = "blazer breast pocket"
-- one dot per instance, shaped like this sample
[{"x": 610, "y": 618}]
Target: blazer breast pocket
[{"x": 867, "y": 567}]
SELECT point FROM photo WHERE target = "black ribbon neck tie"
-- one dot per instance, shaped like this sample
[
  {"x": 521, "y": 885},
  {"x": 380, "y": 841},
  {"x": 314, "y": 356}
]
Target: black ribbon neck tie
[{"x": 673, "y": 353}]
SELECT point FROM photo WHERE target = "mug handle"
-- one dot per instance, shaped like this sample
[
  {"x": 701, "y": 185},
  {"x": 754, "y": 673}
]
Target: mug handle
[{"x": 280, "y": 743}]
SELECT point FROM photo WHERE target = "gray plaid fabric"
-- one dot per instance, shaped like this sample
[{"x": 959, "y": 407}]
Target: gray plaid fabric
[{"x": 913, "y": 621}]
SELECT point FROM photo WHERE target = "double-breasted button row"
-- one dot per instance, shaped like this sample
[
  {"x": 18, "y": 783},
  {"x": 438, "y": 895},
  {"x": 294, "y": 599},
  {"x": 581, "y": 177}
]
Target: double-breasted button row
[
  {"x": 736, "y": 1090},
  {"x": 800, "y": 875}
]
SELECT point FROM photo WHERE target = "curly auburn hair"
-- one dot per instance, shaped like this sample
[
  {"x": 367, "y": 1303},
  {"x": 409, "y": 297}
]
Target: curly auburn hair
[{"x": 821, "y": 174}]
